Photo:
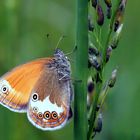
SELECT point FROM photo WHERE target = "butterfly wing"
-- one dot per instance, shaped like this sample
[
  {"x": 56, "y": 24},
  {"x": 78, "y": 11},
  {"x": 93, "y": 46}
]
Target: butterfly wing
[
  {"x": 16, "y": 85},
  {"x": 49, "y": 105}
]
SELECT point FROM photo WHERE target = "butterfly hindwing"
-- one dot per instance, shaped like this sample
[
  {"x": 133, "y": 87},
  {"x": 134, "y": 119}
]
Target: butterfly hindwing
[{"x": 49, "y": 104}]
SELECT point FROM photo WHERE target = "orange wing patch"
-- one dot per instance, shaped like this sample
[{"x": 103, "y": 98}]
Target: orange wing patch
[{"x": 20, "y": 82}]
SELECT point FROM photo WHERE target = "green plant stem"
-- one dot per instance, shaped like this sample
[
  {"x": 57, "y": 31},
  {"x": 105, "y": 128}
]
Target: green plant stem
[{"x": 81, "y": 72}]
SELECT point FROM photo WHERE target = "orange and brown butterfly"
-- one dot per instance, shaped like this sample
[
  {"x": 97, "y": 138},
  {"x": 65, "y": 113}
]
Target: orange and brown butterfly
[{"x": 42, "y": 88}]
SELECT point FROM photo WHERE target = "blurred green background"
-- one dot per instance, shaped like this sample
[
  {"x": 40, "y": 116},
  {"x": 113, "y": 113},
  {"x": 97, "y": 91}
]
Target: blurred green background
[{"x": 24, "y": 25}]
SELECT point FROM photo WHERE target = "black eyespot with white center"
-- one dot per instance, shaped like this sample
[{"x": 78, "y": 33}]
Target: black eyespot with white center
[
  {"x": 35, "y": 109},
  {"x": 47, "y": 115},
  {"x": 35, "y": 97},
  {"x": 40, "y": 115},
  {"x": 4, "y": 89},
  {"x": 54, "y": 115}
]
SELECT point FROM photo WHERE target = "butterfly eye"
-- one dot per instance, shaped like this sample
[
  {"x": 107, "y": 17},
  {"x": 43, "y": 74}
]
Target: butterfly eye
[
  {"x": 40, "y": 115},
  {"x": 54, "y": 115},
  {"x": 35, "y": 97},
  {"x": 47, "y": 115},
  {"x": 66, "y": 57},
  {"x": 4, "y": 89}
]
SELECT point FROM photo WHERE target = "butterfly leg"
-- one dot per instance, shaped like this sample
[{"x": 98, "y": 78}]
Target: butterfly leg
[
  {"x": 65, "y": 77},
  {"x": 70, "y": 114}
]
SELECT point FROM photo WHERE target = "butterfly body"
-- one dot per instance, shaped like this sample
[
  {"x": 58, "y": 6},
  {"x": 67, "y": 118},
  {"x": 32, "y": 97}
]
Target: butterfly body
[{"x": 42, "y": 88}]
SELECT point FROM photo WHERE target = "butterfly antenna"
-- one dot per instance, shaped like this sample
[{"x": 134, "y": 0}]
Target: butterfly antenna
[
  {"x": 47, "y": 35},
  {"x": 60, "y": 39},
  {"x": 73, "y": 50},
  {"x": 49, "y": 40},
  {"x": 71, "y": 60}
]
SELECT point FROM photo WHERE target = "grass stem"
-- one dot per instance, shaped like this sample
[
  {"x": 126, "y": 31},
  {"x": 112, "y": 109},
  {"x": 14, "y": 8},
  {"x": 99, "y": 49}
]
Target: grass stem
[{"x": 81, "y": 71}]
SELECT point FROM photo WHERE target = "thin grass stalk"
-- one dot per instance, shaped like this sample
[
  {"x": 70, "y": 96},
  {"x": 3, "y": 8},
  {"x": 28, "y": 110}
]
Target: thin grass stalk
[
  {"x": 93, "y": 112},
  {"x": 110, "y": 31}
]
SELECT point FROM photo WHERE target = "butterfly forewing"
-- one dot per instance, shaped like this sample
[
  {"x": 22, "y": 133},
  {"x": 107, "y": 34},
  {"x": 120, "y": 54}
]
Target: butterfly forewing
[{"x": 16, "y": 85}]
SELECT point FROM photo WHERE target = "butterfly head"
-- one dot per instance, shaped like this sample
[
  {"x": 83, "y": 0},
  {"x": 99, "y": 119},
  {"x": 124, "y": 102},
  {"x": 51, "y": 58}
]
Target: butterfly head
[
  {"x": 60, "y": 55},
  {"x": 61, "y": 64}
]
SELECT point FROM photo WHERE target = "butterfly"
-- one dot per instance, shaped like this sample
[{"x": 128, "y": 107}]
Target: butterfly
[{"x": 42, "y": 88}]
